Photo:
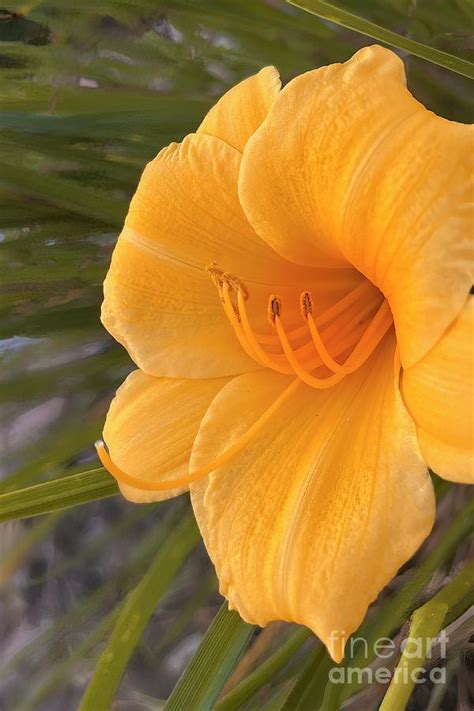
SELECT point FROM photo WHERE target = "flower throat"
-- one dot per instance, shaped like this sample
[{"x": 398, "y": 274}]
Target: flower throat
[{"x": 333, "y": 333}]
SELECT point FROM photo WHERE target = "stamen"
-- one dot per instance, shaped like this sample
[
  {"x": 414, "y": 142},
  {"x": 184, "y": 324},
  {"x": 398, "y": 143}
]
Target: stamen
[
  {"x": 318, "y": 383},
  {"x": 219, "y": 277},
  {"x": 234, "y": 318},
  {"x": 230, "y": 308},
  {"x": 340, "y": 306},
  {"x": 253, "y": 340},
  {"x": 325, "y": 317},
  {"x": 344, "y": 330},
  {"x": 224, "y": 458},
  {"x": 340, "y": 329},
  {"x": 376, "y": 330},
  {"x": 263, "y": 357}
]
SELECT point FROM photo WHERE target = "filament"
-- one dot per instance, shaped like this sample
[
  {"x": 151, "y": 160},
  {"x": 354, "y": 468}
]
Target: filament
[
  {"x": 325, "y": 317},
  {"x": 318, "y": 383},
  {"x": 342, "y": 328},
  {"x": 250, "y": 345},
  {"x": 234, "y": 319},
  {"x": 340, "y": 306},
  {"x": 263, "y": 357},
  {"x": 358, "y": 321},
  {"x": 376, "y": 330}
]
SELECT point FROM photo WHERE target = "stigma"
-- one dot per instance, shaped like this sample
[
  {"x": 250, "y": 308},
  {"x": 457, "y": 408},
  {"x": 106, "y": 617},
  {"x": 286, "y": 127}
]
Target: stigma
[{"x": 338, "y": 340}]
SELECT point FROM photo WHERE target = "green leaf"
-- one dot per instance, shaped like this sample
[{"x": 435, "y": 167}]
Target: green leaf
[
  {"x": 330, "y": 12},
  {"x": 57, "y": 494},
  {"x": 211, "y": 666},
  {"x": 264, "y": 673},
  {"x": 66, "y": 194},
  {"x": 426, "y": 623},
  {"x": 308, "y": 690},
  {"x": 135, "y": 614}
]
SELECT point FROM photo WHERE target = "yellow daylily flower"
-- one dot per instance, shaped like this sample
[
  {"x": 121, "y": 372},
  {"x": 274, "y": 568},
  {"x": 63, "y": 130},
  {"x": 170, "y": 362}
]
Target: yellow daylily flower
[{"x": 292, "y": 282}]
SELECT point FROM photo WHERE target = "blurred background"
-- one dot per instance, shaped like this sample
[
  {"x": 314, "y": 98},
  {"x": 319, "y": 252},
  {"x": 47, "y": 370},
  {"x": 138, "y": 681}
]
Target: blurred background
[{"x": 90, "y": 91}]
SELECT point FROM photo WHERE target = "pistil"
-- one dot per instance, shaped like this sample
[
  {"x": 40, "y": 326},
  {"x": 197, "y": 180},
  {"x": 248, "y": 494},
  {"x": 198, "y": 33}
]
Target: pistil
[{"x": 200, "y": 472}]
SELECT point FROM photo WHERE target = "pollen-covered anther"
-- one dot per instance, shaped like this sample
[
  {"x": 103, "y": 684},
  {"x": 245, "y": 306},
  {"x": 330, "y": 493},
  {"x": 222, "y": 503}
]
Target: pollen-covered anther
[
  {"x": 217, "y": 274},
  {"x": 274, "y": 308},
  {"x": 221, "y": 277},
  {"x": 236, "y": 284},
  {"x": 306, "y": 303},
  {"x": 333, "y": 332}
]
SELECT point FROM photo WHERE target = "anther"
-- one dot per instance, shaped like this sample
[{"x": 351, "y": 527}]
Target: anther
[
  {"x": 274, "y": 308},
  {"x": 217, "y": 274},
  {"x": 236, "y": 284},
  {"x": 306, "y": 303},
  {"x": 344, "y": 327}
]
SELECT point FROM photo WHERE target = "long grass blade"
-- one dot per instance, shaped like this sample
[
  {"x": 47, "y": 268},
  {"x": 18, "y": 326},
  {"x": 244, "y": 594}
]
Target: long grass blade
[
  {"x": 135, "y": 614},
  {"x": 57, "y": 494},
  {"x": 335, "y": 14},
  {"x": 211, "y": 666},
  {"x": 308, "y": 690},
  {"x": 65, "y": 194},
  {"x": 426, "y": 623},
  {"x": 265, "y": 672}
]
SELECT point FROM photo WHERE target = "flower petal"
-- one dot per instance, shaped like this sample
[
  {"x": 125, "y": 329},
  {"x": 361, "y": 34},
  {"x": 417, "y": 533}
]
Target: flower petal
[
  {"x": 367, "y": 175},
  {"x": 168, "y": 315},
  {"x": 299, "y": 166},
  {"x": 151, "y": 426},
  {"x": 187, "y": 207},
  {"x": 439, "y": 393},
  {"x": 242, "y": 109},
  {"x": 160, "y": 303},
  {"x": 305, "y": 525}
]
